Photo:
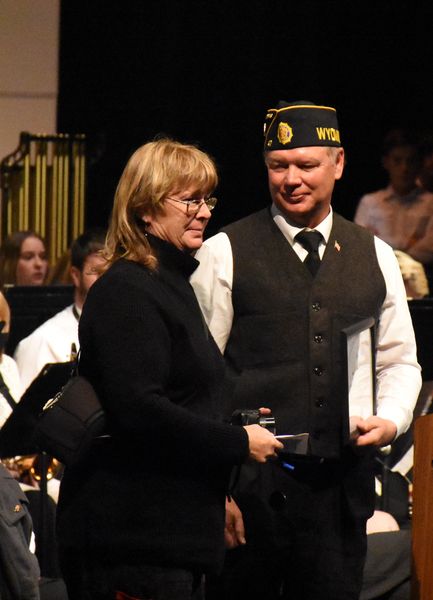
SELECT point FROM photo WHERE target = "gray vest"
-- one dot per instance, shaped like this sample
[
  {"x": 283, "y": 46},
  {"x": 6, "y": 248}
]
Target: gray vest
[{"x": 285, "y": 349}]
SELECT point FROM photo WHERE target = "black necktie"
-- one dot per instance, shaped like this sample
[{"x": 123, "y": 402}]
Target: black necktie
[{"x": 311, "y": 240}]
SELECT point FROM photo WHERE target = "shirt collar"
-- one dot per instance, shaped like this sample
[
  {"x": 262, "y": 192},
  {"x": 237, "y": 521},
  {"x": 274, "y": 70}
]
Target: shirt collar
[{"x": 290, "y": 231}]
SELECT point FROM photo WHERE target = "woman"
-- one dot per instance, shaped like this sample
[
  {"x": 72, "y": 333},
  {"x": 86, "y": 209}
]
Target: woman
[
  {"x": 144, "y": 516},
  {"x": 23, "y": 259}
]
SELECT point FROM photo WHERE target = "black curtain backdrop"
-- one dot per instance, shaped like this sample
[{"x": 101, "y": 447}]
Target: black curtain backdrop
[{"x": 205, "y": 71}]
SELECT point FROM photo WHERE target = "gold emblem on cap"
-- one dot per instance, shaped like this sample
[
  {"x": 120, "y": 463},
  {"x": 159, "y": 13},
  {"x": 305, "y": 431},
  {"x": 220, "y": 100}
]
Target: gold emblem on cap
[{"x": 284, "y": 133}]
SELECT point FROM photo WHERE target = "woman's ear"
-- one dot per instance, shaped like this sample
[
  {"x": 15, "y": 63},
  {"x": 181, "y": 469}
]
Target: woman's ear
[{"x": 144, "y": 217}]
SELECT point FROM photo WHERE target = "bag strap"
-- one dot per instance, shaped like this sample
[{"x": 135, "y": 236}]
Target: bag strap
[
  {"x": 74, "y": 370},
  {"x": 4, "y": 391}
]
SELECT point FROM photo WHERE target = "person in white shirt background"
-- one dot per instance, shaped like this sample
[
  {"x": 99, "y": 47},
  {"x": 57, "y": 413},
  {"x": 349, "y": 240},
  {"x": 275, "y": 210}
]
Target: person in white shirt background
[
  {"x": 56, "y": 340},
  {"x": 10, "y": 384},
  {"x": 301, "y": 528},
  {"x": 401, "y": 214}
]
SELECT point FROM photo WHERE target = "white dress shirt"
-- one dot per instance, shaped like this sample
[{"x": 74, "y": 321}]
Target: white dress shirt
[
  {"x": 397, "y": 370},
  {"x": 404, "y": 222},
  {"x": 11, "y": 377},
  {"x": 51, "y": 342}
]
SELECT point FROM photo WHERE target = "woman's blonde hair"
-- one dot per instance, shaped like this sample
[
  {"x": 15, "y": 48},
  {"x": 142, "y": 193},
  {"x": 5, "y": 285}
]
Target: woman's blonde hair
[{"x": 156, "y": 170}]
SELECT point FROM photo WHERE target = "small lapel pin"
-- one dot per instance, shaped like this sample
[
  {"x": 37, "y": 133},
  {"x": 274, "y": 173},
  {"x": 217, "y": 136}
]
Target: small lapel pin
[
  {"x": 17, "y": 508},
  {"x": 337, "y": 246}
]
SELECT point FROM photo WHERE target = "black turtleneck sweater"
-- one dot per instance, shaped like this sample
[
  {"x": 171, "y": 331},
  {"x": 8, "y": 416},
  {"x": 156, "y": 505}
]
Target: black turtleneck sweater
[{"x": 154, "y": 492}]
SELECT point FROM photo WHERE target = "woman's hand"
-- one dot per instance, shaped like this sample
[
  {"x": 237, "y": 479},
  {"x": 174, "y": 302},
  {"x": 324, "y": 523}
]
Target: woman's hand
[{"x": 262, "y": 444}]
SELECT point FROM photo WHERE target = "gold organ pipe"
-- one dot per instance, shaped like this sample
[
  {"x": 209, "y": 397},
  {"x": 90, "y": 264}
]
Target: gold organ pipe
[
  {"x": 25, "y": 208},
  {"x": 65, "y": 195},
  {"x": 43, "y": 186},
  {"x": 37, "y": 191},
  {"x": 60, "y": 190},
  {"x": 54, "y": 247},
  {"x": 76, "y": 200},
  {"x": 44, "y": 167}
]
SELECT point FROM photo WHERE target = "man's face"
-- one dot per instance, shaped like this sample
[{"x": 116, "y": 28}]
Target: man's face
[
  {"x": 301, "y": 181},
  {"x": 402, "y": 164},
  {"x": 83, "y": 280}
]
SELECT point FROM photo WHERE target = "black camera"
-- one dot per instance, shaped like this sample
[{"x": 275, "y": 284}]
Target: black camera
[{"x": 246, "y": 416}]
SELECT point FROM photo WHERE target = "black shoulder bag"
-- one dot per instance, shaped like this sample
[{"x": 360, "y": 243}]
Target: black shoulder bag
[{"x": 70, "y": 421}]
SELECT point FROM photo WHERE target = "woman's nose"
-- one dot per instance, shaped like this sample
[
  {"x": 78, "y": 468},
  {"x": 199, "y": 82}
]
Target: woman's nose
[{"x": 203, "y": 212}]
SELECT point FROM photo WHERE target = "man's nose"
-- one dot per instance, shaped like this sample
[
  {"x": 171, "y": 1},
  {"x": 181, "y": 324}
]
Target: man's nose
[{"x": 292, "y": 176}]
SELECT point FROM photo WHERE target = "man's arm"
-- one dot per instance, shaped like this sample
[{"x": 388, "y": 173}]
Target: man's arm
[{"x": 397, "y": 370}]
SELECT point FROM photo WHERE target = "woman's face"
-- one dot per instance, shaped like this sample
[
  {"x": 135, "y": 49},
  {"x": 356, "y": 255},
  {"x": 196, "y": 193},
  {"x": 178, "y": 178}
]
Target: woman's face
[
  {"x": 32, "y": 263},
  {"x": 180, "y": 224}
]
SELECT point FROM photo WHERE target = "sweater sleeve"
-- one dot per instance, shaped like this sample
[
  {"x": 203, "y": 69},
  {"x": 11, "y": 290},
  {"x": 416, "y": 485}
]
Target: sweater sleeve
[{"x": 127, "y": 352}]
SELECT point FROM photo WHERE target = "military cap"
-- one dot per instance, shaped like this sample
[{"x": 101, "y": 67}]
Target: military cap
[{"x": 299, "y": 124}]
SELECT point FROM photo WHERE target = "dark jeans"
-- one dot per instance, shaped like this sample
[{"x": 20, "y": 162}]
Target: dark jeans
[{"x": 87, "y": 580}]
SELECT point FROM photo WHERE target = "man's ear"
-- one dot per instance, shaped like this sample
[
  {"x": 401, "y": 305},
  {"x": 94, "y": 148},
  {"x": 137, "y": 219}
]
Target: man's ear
[
  {"x": 75, "y": 276},
  {"x": 339, "y": 165}
]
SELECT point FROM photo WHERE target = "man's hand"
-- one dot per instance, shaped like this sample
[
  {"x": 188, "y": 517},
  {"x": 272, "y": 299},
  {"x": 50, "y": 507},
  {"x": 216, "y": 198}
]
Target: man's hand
[
  {"x": 234, "y": 532},
  {"x": 373, "y": 431}
]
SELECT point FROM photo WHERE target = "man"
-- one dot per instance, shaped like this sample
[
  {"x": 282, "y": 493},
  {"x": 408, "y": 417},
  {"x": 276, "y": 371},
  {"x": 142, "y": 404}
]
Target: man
[
  {"x": 402, "y": 213},
  {"x": 283, "y": 330},
  {"x": 56, "y": 340}
]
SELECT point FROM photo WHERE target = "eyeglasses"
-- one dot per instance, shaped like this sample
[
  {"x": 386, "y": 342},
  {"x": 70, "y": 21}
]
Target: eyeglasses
[{"x": 193, "y": 205}]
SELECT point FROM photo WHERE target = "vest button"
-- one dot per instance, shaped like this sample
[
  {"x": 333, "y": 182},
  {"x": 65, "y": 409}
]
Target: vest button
[
  {"x": 320, "y": 402},
  {"x": 318, "y": 371},
  {"x": 318, "y": 338},
  {"x": 316, "y": 306}
]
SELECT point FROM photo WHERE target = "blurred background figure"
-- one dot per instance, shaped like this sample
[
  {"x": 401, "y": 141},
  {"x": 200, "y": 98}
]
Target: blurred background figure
[
  {"x": 414, "y": 276},
  {"x": 60, "y": 274},
  {"x": 23, "y": 259},
  {"x": 56, "y": 340},
  {"x": 10, "y": 385},
  {"x": 425, "y": 176},
  {"x": 19, "y": 569},
  {"x": 401, "y": 213}
]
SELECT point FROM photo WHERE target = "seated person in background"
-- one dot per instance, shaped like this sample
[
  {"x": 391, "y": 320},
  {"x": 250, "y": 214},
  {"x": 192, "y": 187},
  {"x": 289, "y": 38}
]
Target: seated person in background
[
  {"x": 425, "y": 176},
  {"x": 19, "y": 569},
  {"x": 401, "y": 214},
  {"x": 56, "y": 340},
  {"x": 10, "y": 385},
  {"x": 61, "y": 272},
  {"x": 23, "y": 259}
]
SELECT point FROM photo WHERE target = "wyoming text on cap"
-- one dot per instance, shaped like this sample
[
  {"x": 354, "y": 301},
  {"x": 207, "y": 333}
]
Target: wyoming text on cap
[{"x": 299, "y": 124}]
